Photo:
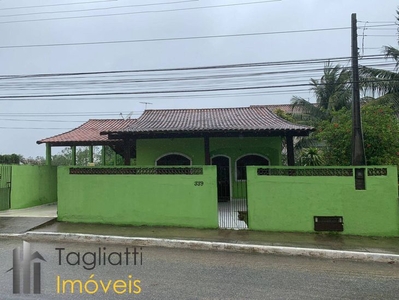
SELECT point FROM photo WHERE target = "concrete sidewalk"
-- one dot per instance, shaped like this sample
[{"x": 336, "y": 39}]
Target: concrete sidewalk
[
  {"x": 313, "y": 244},
  {"x": 38, "y": 224},
  {"x": 310, "y": 240}
]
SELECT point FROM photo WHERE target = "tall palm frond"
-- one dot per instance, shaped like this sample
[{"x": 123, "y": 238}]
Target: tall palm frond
[
  {"x": 307, "y": 113},
  {"x": 332, "y": 91},
  {"x": 379, "y": 82},
  {"x": 383, "y": 84},
  {"x": 392, "y": 52}
]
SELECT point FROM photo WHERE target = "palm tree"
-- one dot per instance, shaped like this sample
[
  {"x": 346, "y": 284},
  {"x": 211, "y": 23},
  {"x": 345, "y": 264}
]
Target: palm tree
[
  {"x": 332, "y": 93},
  {"x": 311, "y": 157},
  {"x": 383, "y": 83}
]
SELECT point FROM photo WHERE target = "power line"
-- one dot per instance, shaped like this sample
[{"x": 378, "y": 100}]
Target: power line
[
  {"x": 282, "y": 76},
  {"x": 36, "y": 128},
  {"x": 173, "y": 85},
  {"x": 51, "y": 5},
  {"x": 57, "y": 96},
  {"x": 280, "y": 81},
  {"x": 76, "y": 114},
  {"x": 94, "y": 81},
  {"x": 141, "y": 12},
  {"x": 96, "y": 9},
  {"x": 381, "y": 35},
  {"x": 228, "y": 66},
  {"x": 375, "y": 22},
  {"x": 174, "y": 38},
  {"x": 382, "y": 25},
  {"x": 35, "y": 120}
]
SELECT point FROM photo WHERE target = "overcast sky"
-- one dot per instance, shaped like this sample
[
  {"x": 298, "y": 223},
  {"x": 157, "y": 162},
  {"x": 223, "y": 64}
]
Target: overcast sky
[{"x": 139, "y": 35}]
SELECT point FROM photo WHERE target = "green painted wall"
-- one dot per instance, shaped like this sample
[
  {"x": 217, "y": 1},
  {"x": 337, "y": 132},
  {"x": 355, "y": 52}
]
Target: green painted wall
[
  {"x": 160, "y": 200},
  {"x": 33, "y": 185},
  {"x": 237, "y": 147},
  {"x": 288, "y": 203},
  {"x": 148, "y": 151}
]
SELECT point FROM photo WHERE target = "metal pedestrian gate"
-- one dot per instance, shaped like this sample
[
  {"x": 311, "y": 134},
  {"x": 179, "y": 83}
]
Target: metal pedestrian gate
[
  {"x": 5, "y": 187},
  {"x": 232, "y": 201}
]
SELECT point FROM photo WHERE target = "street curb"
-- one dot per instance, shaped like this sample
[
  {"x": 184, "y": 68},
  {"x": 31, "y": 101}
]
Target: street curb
[{"x": 204, "y": 245}]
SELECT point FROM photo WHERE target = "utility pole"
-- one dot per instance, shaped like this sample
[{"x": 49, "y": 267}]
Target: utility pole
[{"x": 358, "y": 154}]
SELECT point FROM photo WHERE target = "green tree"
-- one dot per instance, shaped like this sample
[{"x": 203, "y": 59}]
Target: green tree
[
  {"x": 38, "y": 161},
  {"x": 282, "y": 114},
  {"x": 380, "y": 130},
  {"x": 64, "y": 158},
  {"x": 109, "y": 157},
  {"x": 332, "y": 93},
  {"x": 311, "y": 157},
  {"x": 383, "y": 84},
  {"x": 10, "y": 159}
]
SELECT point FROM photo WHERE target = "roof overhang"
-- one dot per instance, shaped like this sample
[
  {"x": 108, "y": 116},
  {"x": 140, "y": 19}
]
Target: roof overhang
[
  {"x": 82, "y": 143},
  {"x": 193, "y": 134}
]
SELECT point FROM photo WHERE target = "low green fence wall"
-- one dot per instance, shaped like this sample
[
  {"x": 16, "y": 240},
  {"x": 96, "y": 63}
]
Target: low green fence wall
[
  {"x": 284, "y": 200},
  {"x": 33, "y": 185},
  {"x": 185, "y": 197}
]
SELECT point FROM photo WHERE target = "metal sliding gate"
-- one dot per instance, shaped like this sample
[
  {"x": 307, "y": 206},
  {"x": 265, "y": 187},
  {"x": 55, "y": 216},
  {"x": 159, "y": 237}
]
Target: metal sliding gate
[
  {"x": 232, "y": 201},
  {"x": 5, "y": 187}
]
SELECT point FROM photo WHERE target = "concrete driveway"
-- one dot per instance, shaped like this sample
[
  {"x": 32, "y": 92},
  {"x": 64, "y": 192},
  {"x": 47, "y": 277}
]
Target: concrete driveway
[
  {"x": 47, "y": 210},
  {"x": 23, "y": 220}
]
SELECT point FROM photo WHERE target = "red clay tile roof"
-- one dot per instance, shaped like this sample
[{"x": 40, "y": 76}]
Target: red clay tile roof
[
  {"x": 253, "y": 118},
  {"x": 89, "y": 132}
]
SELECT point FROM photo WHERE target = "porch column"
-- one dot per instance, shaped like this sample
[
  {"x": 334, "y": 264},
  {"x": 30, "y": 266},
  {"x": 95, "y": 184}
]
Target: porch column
[
  {"x": 91, "y": 156},
  {"x": 126, "y": 151},
  {"x": 290, "y": 150},
  {"x": 73, "y": 148},
  {"x": 103, "y": 155},
  {"x": 48, "y": 154},
  {"x": 207, "y": 151},
  {"x": 115, "y": 158}
]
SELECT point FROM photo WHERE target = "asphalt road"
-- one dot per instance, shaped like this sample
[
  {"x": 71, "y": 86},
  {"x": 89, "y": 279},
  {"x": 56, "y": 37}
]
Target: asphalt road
[{"x": 188, "y": 274}]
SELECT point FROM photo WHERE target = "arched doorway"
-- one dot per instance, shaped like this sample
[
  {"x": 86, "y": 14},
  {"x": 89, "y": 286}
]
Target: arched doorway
[
  {"x": 249, "y": 160},
  {"x": 222, "y": 164},
  {"x": 173, "y": 159}
]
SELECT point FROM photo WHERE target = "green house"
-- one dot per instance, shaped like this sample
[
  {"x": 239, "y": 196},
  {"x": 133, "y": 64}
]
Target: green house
[{"x": 230, "y": 138}]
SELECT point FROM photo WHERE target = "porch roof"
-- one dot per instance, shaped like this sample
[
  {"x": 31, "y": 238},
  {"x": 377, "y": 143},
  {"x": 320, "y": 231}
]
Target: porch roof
[
  {"x": 242, "y": 119},
  {"x": 88, "y": 133}
]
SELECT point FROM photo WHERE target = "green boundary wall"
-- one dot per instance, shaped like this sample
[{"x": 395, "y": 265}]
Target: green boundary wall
[
  {"x": 139, "y": 199},
  {"x": 33, "y": 185},
  {"x": 289, "y": 203}
]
